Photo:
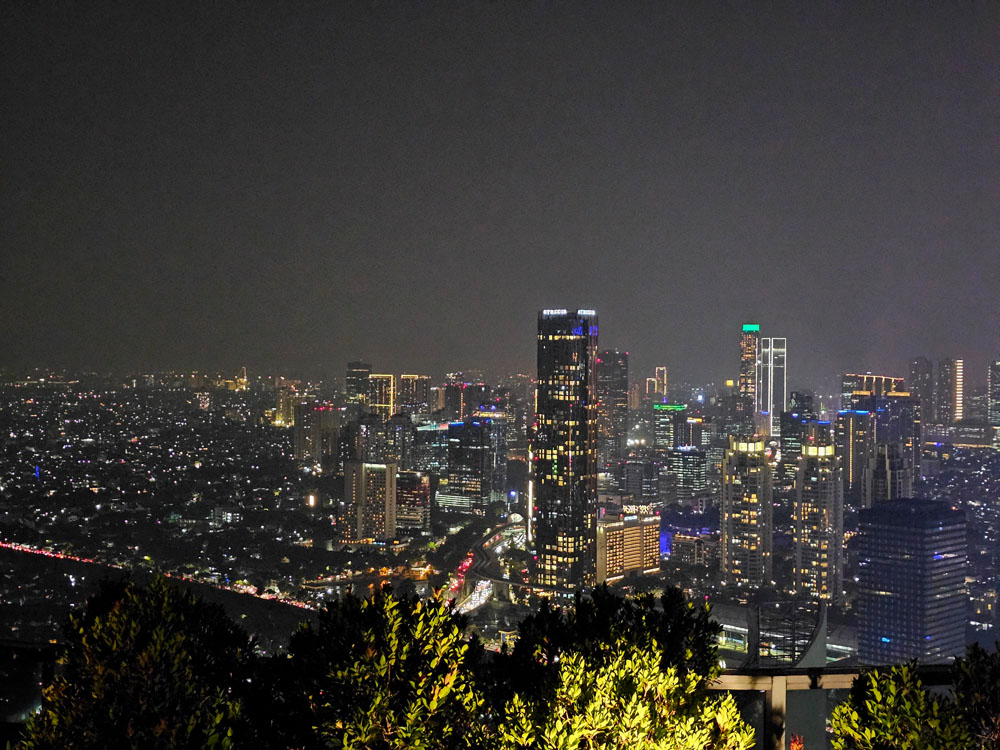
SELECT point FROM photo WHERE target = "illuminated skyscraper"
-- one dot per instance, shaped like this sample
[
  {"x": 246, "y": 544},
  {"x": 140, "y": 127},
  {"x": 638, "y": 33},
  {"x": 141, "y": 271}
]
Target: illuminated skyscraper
[
  {"x": 746, "y": 514},
  {"x": 475, "y": 452},
  {"x": 370, "y": 497},
  {"x": 993, "y": 399},
  {"x": 414, "y": 393},
  {"x": 667, "y": 421},
  {"x": 413, "y": 500},
  {"x": 911, "y": 568},
  {"x": 382, "y": 395},
  {"x": 950, "y": 406},
  {"x": 921, "y": 386},
  {"x": 612, "y": 409},
  {"x": 748, "y": 385},
  {"x": 356, "y": 382},
  {"x": 773, "y": 381},
  {"x": 563, "y": 450},
  {"x": 661, "y": 380},
  {"x": 859, "y": 389},
  {"x": 853, "y": 441},
  {"x": 819, "y": 518},
  {"x": 317, "y": 433}
]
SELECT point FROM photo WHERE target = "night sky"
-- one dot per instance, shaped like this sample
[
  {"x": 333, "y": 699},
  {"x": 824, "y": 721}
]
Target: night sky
[{"x": 289, "y": 185}]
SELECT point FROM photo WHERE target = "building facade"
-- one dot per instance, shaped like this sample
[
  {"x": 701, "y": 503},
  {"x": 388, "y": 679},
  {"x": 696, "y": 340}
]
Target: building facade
[{"x": 746, "y": 514}]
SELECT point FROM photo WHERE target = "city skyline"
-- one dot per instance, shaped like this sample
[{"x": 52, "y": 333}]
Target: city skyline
[{"x": 295, "y": 187}]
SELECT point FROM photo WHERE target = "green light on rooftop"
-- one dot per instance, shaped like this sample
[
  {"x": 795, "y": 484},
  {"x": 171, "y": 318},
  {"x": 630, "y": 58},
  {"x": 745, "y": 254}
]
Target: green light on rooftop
[
  {"x": 750, "y": 327},
  {"x": 670, "y": 407}
]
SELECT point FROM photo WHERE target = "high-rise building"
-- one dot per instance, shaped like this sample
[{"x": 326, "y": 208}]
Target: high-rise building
[
  {"x": 689, "y": 465},
  {"x": 382, "y": 395},
  {"x": 898, "y": 419},
  {"x": 667, "y": 419},
  {"x": 853, "y": 440},
  {"x": 661, "y": 380},
  {"x": 993, "y": 399},
  {"x": 413, "y": 500},
  {"x": 400, "y": 436},
  {"x": 627, "y": 544},
  {"x": 473, "y": 457},
  {"x": 414, "y": 393},
  {"x": 911, "y": 569},
  {"x": 317, "y": 433},
  {"x": 859, "y": 389},
  {"x": 773, "y": 381},
  {"x": 748, "y": 391},
  {"x": 370, "y": 497},
  {"x": 888, "y": 475},
  {"x": 563, "y": 450},
  {"x": 818, "y": 516},
  {"x": 747, "y": 529},
  {"x": 364, "y": 439},
  {"x": 950, "y": 407},
  {"x": 612, "y": 408},
  {"x": 921, "y": 385},
  {"x": 356, "y": 382}
]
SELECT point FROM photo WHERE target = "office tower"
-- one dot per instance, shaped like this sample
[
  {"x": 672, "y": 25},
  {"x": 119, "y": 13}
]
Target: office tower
[
  {"x": 747, "y": 387},
  {"x": 370, "y": 497},
  {"x": 627, "y": 544},
  {"x": 801, "y": 402},
  {"x": 382, "y": 395},
  {"x": 666, "y": 418},
  {"x": 641, "y": 479},
  {"x": 773, "y": 382},
  {"x": 921, "y": 386},
  {"x": 563, "y": 451},
  {"x": 653, "y": 389},
  {"x": 472, "y": 465},
  {"x": 818, "y": 516},
  {"x": 911, "y": 569},
  {"x": 364, "y": 439},
  {"x": 430, "y": 450},
  {"x": 888, "y": 475},
  {"x": 612, "y": 408},
  {"x": 284, "y": 412},
  {"x": 689, "y": 466},
  {"x": 993, "y": 399},
  {"x": 746, "y": 523},
  {"x": 860, "y": 389},
  {"x": 400, "y": 436},
  {"x": 795, "y": 427},
  {"x": 413, "y": 501},
  {"x": 414, "y": 393},
  {"x": 898, "y": 419},
  {"x": 950, "y": 406},
  {"x": 689, "y": 431},
  {"x": 661, "y": 381},
  {"x": 853, "y": 442},
  {"x": 317, "y": 434},
  {"x": 356, "y": 382}
]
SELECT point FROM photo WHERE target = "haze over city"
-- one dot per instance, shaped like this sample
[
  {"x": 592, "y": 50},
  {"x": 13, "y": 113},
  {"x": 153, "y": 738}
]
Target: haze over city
[{"x": 292, "y": 186}]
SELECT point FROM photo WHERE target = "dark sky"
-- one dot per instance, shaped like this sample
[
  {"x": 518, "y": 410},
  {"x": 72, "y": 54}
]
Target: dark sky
[{"x": 291, "y": 185}]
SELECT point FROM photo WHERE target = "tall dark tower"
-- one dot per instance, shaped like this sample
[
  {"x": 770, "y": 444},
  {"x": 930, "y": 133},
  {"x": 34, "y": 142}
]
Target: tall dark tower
[
  {"x": 612, "y": 409},
  {"x": 563, "y": 450},
  {"x": 356, "y": 382},
  {"x": 921, "y": 385}
]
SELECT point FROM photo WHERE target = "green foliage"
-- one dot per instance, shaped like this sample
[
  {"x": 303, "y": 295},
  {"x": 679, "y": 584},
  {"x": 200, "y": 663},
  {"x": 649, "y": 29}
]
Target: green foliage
[
  {"x": 628, "y": 701},
  {"x": 976, "y": 685},
  {"x": 144, "y": 667},
  {"x": 892, "y": 711},
  {"x": 395, "y": 675}
]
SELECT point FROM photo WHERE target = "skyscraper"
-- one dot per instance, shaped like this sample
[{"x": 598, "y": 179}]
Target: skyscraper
[
  {"x": 382, "y": 395},
  {"x": 746, "y": 514},
  {"x": 563, "y": 450},
  {"x": 748, "y": 386},
  {"x": 819, "y": 518},
  {"x": 370, "y": 497},
  {"x": 950, "y": 407},
  {"x": 414, "y": 393},
  {"x": 413, "y": 500},
  {"x": 921, "y": 385},
  {"x": 888, "y": 475},
  {"x": 860, "y": 389},
  {"x": 473, "y": 457},
  {"x": 993, "y": 399},
  {"x": 853, "y": 441},
  {"x": 317, "y": 433},
  {"x": 661, "y": 381},
  {"x": 773, "y": 383},
  {"x": 356, "y": 382},
  {"x": 612, "y": 409},
  {"x": 911, "y": 569}
]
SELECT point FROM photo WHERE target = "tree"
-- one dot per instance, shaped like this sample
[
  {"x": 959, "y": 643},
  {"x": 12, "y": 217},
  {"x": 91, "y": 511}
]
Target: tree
[
  {"x": 892, "y": 711},
  {"x": 145, "y": 667},
  {"x": 628, "y": 701},
  {"x": 976, "y": 684},
  {"x": 389, "y": 672}
]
